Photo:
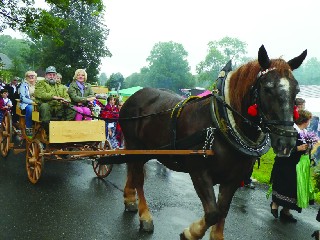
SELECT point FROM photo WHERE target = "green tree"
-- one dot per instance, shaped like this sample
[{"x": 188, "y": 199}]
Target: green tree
[
  {"x": 103, "y": 79},
  {"x": 311, "y": 70},
  {"x": 219, "y": 53},
  {"x": 22, "y": 15},
  {"x": 115, "y": 81},
  {"x": 138, "y": 79},
  {"x": 168, "y": 67},
  {"x": 83, "y": 42},
  {"x": 18, "y": 50}
]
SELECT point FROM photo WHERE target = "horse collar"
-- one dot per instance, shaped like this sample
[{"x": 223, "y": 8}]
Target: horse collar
[{"x": 222, "y": 116}]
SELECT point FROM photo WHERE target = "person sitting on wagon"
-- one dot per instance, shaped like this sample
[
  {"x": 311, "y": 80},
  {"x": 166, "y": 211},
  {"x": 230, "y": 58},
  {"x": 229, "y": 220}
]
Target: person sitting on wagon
[
  {"x": 81, "y": 95},
  {"x": 5, "y": 103},
  {"x": 51, "y": 98},
  {"x": 26, "y": 90}
]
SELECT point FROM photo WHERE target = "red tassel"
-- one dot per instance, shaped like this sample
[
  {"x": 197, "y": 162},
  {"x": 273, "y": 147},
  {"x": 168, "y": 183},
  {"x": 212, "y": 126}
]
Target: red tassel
[
  {"x": 295, "y": 113},
  {"x": 253, "y": 110}
]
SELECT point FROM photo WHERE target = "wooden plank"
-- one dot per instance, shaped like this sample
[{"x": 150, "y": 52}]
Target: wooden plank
[
  {"x": 100, "y": 90},
  {"x": 18, "y": 109},
  {"x": 134, "y": 152},
  {"x": 35, "y": 116},
  {"x": 76, "y": 131}
]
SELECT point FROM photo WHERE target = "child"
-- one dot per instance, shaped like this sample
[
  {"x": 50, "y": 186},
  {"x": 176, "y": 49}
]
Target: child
[
  {"x": 110, "y": 114},
  {"x": 5, "y": 103}
]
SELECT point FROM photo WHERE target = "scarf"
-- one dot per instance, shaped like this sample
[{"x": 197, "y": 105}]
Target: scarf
[{"x": 81, "y": 87}]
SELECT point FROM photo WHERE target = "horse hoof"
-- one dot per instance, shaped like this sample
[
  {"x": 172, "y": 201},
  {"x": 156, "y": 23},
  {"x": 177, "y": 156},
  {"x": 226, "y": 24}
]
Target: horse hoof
[
  {"x": 146, "y": 226},
  {"x": 186, "y": 235},
  {"x": 182, "y": 237},
  {"x": 131, "y": 207}
]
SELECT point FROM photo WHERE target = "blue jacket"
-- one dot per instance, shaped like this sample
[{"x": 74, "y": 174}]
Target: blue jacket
[{"x": 24, "y": 95}]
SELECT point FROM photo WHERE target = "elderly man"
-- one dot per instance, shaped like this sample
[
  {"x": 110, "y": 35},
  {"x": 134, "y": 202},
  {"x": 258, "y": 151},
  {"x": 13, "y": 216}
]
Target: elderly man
[{"x": 50, "y": 96}]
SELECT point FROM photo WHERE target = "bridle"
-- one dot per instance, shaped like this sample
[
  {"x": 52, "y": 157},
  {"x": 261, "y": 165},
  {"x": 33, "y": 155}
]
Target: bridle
[{"x": 269, "y": 125}]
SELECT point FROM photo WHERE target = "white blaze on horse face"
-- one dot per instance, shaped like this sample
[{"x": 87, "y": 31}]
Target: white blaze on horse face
[{"x": 284, "y": 87}]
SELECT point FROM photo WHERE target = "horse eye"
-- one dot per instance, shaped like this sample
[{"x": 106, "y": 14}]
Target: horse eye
[{"x": 267, "y": 90}]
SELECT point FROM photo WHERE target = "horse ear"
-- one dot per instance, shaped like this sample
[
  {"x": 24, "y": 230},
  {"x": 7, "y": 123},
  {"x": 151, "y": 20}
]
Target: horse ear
[
  {"x": 263, "y": 58},
  {"x": 297, "y": 61}
]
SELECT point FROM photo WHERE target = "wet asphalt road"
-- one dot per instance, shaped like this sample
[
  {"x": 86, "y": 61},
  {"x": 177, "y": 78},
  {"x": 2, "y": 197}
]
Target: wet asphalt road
[{"x": 69, "y": 202}]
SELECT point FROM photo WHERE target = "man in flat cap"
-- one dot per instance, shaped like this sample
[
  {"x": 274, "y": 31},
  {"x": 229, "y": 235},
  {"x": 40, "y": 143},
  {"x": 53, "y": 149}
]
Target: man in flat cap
[{"x": 50, "y": 96}]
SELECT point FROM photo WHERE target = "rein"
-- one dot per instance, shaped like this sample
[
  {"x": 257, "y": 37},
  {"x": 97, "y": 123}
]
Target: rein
[{"x": 186, "y": 103}]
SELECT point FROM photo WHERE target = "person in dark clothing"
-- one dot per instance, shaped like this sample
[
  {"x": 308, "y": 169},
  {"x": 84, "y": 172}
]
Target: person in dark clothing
[
  {"x": 13, "y": 91},
  {"x": 284, "y": 176}
]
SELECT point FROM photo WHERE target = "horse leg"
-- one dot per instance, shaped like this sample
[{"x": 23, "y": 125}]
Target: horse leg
[
  {"x": 204, "y": 187},
  {"x": 134, "y": 185},
  {"x": 129, "y": 192},
  {"x": 226, "y": 192}
]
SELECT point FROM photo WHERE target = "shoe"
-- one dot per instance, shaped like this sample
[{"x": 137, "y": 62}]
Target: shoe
[
  {"x": 316, "y": 234},
  {"x": 287, "y": 218},
  {"x": 250, "y": 185},
  {"x": 318, "y": 216},
  {"x": 274, "y": 212}
]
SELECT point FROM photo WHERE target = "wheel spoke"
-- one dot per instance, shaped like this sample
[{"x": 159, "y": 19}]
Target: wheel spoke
[{"x": 102, "y": 169}]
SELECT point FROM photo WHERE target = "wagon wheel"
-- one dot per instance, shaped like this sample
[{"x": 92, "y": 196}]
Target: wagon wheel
[
  {"x": 5, "y": 134},
  {"x": 34, "y": 160},
  {"x": 102, "y": 170}
]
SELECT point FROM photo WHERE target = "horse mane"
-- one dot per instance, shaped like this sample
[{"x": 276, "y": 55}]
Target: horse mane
[{"x": 245, "y": 77}]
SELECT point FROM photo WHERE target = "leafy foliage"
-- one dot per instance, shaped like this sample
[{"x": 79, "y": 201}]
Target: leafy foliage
[
  {"x": 168, "y": 67},
  {"x": 309, "y": 72},
  {"x": 22, "y": 15},
  {"x": 114, "y": 81},
  {"x": 219, "y": 53},
  {"x": 103, "y": 79},
  {"x": 18, "y": 50},
  {"x": 82, "y": 42}
]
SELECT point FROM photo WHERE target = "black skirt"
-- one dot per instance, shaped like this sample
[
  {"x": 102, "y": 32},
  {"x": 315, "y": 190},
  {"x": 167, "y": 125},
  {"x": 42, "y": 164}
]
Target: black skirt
[{"x": 284, "y": 182}]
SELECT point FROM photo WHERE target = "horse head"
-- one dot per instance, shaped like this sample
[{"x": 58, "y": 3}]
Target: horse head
[{"x": 276, "y": 90}]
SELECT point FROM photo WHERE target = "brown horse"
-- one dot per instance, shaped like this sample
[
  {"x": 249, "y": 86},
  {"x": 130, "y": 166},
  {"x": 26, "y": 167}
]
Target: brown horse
[{"x": 238, "y": 138}]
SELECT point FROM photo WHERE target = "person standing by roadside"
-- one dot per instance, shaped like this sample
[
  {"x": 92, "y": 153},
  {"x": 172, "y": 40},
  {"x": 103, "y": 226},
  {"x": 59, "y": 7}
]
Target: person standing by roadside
[
  {"x": 119, "y": 134},
  {"x": 300, "y": 103},
  {"x": 5, "y": 103},
  {"x": 13, "y": 94},
  {"x": 110, "y": 114},
  {"x": 284, "y": 175}
]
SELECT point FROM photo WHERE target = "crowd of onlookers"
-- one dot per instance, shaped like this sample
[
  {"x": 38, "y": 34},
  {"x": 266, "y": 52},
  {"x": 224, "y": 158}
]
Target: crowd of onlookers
[{"x": 56, "y": 101}]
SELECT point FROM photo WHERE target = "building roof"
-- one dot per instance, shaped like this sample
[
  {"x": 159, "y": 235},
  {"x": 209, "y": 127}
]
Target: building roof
[{"x": 309, "y": 91}]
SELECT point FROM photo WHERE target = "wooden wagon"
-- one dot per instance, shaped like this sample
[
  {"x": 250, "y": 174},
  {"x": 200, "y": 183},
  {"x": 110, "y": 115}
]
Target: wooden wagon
[{"x": 68, "y": 141}]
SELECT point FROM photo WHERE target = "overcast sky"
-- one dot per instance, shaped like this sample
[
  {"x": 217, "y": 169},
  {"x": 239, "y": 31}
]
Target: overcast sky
[{"x": 286, "y": 28}]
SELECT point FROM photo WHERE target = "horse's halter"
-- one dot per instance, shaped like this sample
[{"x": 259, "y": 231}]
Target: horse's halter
[{"x": 267, "y": 125}]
